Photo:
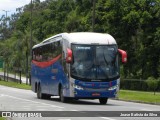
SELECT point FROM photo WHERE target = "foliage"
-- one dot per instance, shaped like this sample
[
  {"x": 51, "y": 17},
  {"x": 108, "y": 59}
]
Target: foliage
[
  {"x": 139, "y": 96},
  {"x": 15, "y": 85},
  {"x": 151, "y": 84},
  {"x": 134, "y": 24},
  {"x": 2, "y": 118}
]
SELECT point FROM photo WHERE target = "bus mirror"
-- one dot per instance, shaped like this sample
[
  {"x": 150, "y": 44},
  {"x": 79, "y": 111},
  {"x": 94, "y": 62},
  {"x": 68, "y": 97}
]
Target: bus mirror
[
  {"x": 69, "y": 56},
  {"x": 124, "y": 55}
]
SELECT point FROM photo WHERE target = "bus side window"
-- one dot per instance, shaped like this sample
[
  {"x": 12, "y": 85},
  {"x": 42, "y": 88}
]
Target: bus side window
[
  {"x": 50, "y": 55},
  {"x": 53, "y": 50},
  {"x": 43, "y": 56},
  {"x": 36, "y": 54}
]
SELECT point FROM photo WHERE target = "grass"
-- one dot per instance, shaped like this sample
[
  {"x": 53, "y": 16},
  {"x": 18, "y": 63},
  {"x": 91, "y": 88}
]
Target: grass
[
  {"x": 15, "y": 85},
  {"x": 1, "y": 118},
  {"x": 140, "y": 96},
  {"x": 1, "y": 69}
]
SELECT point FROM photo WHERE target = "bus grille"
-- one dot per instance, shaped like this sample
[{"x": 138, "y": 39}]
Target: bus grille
[{"x": 96, "y": 89}]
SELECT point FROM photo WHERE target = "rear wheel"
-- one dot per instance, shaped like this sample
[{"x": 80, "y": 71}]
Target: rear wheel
[
  {"x": 103, "y": 101},
  {"x": 62, "y": 98},
  {"x": 40, "y": 95}
]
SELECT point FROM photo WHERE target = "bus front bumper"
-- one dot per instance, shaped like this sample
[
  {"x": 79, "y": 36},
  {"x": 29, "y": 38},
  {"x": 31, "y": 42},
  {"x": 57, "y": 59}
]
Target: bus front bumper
[{"x": 95, "y": 94}]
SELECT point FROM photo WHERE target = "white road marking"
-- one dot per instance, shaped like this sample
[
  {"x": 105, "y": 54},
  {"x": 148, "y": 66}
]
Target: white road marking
[
  {"x": 64, "y": 119},
  {"x": 34, "y": 101},
  {"x": 146, "y": 109},
  {"x": 74, "y": 110},
  {"x": 1, "y": 95},
  {"x": 41, "y": 109},
  {"x": 106, "y": 118}
]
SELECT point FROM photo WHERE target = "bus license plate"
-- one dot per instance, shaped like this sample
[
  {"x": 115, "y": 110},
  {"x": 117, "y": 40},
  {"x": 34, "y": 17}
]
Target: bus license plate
[{"x": 95, "y": 94}]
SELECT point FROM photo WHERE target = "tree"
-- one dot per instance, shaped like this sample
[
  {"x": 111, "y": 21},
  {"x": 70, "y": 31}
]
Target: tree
[{"x": 134, "y": 25}]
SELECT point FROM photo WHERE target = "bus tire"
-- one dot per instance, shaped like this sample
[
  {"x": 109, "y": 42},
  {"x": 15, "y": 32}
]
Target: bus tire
[
  {"x": 62, "y": 98},
  {"x": 103, "y": 101},
  {"x": 40, "y": 95}
]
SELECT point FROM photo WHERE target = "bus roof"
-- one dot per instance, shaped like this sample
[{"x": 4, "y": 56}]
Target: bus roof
[
  {"x": 82, "y": 38},
  {"x": 90, "y": 38}
]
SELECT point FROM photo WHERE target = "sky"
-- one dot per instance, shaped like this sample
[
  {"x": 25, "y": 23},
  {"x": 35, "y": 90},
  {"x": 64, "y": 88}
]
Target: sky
[{"x": 11, "y": 5}]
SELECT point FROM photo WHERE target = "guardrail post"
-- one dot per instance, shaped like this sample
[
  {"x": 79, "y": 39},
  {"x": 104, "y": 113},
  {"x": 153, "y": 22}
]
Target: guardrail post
[
  {"x": 4, "y": 74},
  {"x": 29, "y": 77},
  {"x": 20, "y": 77}
]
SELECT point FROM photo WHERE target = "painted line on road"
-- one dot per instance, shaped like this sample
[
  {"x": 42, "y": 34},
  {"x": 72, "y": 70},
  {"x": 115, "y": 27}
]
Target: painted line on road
[
  {"x": 34, "y": 101},
  {"x": 64, "y": 119},
  {"x": 74, "y": 110},
  {"x": 1, "y": 95},
  {"x": 146, "y": 109},
  {"x": 106, "y": 118}
]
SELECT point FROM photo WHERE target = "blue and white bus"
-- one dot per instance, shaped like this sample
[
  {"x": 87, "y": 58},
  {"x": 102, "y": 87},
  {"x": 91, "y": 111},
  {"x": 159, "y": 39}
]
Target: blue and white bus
[{"x": 82, "y": 65}]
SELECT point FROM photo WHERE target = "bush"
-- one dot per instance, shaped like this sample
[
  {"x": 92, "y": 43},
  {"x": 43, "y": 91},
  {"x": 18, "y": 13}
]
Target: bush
[
  {"x": 158, "y": 88},
  {"x": 151, "y": 84}
]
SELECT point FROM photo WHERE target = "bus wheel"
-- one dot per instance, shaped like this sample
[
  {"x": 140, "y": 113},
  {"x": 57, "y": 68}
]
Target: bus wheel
[
  {"x": 39, "y": 93},
  {"x": 103, "y": 101},
  {"x": 62, "y": 98}
]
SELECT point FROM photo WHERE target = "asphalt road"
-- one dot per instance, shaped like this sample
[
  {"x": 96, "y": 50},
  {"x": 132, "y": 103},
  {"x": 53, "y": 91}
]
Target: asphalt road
[{"x": 12, "y": 99}]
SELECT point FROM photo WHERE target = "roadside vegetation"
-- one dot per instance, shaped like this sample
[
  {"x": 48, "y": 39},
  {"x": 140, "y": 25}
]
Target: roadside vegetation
[
  {"x": 134, "y": 24},
  {"x": 1, "y": 118},
  {"x": 15, "y": 85},
  {"x": 139, "y": 96}
]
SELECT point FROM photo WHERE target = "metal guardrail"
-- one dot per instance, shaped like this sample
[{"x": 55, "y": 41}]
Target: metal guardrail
[
  {"x": 14, "y": 78},
  {"x": 10, "y": 79}
]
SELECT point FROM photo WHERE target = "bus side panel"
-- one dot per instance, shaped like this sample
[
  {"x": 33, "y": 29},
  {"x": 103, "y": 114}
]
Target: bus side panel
[
  {"x": 49, "y": 78},
  {"x": 34, "y": 78},
  {"x": 38, "y": 76},
  {"x": 58, "y": 77}
]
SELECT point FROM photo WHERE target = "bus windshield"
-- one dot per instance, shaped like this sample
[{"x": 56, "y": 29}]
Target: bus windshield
[{"x": 95, "y": 62}]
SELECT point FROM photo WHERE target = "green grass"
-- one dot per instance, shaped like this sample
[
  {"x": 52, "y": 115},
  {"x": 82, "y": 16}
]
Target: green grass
[
  {"x": 15, "y": 85},
  {"x": 1, "y": 69},
  {"x": 139, "y": 96},
  {"x": 1, "y": 118}
]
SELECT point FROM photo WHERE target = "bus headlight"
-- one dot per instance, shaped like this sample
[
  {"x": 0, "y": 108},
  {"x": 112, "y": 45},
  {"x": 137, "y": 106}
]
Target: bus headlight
[
  {"x": 113, "y": 87},
  {"x": 77, "y": 87}
]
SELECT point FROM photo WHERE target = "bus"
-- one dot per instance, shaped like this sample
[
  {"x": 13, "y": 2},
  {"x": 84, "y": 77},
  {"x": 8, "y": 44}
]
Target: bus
[{"x": 80, "y": 65}]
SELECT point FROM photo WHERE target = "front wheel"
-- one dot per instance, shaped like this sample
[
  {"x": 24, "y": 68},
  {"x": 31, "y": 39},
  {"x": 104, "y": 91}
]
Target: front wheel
[{"x": 103, "y": 101}]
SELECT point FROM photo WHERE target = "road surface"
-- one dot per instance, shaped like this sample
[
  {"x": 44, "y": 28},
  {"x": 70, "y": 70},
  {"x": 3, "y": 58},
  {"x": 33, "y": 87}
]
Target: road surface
[{"x": 13, "y": 99}]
